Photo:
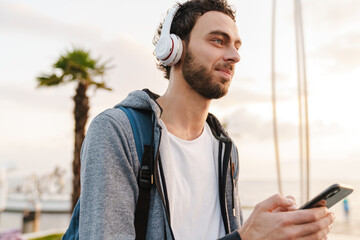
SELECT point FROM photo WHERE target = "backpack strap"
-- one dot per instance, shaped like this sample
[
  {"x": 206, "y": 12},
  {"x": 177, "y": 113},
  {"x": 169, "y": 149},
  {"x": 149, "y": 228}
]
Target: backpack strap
[
  {"x": 141, "y": 124},
  {"x": 142, "y": 127}
]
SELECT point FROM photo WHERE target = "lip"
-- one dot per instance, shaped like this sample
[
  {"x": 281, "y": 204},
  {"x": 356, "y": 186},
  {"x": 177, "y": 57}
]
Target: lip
[{"x": 226, "y": 72}]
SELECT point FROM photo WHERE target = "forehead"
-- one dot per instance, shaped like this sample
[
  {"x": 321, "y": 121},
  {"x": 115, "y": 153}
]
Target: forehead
[{"x": 215, "y": 21}]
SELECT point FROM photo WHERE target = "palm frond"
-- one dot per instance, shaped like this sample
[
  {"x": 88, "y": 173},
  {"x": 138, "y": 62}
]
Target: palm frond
[
  {"x": 76, "y": 65},
  {"x": 100, "y": 85},
  {"x": 49, "y": 80}
]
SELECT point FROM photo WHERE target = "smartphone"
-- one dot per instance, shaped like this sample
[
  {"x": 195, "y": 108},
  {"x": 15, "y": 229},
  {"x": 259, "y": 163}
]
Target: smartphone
[{"x": 329, "y": 197}]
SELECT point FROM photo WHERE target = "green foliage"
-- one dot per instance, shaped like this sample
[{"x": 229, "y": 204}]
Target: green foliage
[
  {"x": 75, "y": 65},
  {"x": 49, "y": 80}
]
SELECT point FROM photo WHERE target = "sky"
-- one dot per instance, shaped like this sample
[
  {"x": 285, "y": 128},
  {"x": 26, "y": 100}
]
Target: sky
[{"x": 36, "y": 124}]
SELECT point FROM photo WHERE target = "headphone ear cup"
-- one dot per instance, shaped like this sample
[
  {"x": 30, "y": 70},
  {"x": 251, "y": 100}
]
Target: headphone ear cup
[
  {"x": 174, "y": 52},
  {"x": 178, "y": 49},
  {"x": 164, "y": 48},
  {"x": 169, "y": 47}
]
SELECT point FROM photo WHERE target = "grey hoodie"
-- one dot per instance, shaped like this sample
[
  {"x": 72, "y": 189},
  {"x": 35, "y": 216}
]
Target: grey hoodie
[{"x": 109, "y": 173}]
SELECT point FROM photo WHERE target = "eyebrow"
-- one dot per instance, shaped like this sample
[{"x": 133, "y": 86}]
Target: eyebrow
[{"x": 225, "y": 35}]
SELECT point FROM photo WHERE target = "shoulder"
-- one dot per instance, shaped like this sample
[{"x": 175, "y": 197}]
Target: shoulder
[
  {"x": 109, "y": 125},
  {"x": 111, "y": 115},
  {"x": 112, "y": 118},
  {"x": 109, "y": 136}
]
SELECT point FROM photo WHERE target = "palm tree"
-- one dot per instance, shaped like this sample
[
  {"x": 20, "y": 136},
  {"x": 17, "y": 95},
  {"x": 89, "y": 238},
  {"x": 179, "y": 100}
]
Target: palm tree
[{"x": 77, "y": 65}]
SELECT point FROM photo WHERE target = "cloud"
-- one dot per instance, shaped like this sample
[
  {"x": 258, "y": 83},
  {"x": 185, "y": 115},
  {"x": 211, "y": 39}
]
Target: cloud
[
  {"x": 331, "y": 14},
  {"x": 246, "y": 90},
  {"x": 21, "y": 18},
  {"x": 239, "y": 95},
  {"x": 43, "y": 99},
  {"x": 320, "y": 128},
  {"x": 243, "y": 124},
  {"x": 342, "y": 53},
  {"x": 332, "y": 34},
  {"x": 134, "y": 66}
]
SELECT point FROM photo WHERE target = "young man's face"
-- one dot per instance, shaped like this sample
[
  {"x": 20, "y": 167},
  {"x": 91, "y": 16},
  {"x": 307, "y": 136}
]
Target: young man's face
[{"x": 211, "y": 54}]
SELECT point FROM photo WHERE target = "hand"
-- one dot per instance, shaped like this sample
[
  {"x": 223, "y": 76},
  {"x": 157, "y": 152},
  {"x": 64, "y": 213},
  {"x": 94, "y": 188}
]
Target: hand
[{"x": 267, "y": 222}]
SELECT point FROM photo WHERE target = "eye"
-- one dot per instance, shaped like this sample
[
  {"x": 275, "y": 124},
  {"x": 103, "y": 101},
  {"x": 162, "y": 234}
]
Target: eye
[{"x": 218, "y": 41}]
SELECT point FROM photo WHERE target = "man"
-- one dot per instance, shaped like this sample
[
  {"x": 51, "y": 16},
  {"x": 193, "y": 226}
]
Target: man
[{"x": 194, "y": 195}]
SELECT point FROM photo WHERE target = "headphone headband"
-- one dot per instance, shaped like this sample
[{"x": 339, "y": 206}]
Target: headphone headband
[
  {"x": 169, "y": 46},
  {"x": 165, "y": 30}
]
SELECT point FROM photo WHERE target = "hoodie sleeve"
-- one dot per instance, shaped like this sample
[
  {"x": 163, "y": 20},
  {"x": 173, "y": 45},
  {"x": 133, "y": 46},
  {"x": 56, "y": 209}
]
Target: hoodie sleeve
[{"x": 109, "y": 168}]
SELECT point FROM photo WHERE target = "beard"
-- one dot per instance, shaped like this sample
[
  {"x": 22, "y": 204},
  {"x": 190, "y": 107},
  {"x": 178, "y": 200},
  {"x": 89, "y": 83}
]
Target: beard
[{"x": 202, "y": 80}]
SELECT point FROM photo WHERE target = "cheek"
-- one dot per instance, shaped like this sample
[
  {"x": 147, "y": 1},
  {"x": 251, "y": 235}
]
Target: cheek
[{"x": 204, "y": 54}]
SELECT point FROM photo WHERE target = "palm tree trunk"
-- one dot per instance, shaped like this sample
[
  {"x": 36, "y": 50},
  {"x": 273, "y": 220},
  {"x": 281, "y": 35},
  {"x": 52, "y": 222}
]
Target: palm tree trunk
[{"x": 81, "y": 115}]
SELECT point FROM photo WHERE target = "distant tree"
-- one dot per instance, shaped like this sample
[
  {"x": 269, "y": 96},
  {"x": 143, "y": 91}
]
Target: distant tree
[{"x": 77, "y": 66}]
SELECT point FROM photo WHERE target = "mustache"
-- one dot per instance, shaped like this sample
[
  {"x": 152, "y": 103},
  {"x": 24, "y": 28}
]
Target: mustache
[{"x": 224, "y": 66}]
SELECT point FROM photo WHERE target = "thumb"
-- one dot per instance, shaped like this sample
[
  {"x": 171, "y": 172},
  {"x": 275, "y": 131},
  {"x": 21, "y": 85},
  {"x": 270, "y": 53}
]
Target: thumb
[
  {"x": 294, "y": 205},
  {"x": 274, "y": 202}
]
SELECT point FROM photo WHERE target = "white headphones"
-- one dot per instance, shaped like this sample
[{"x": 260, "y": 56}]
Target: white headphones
[{"x": 169, "y": 47}]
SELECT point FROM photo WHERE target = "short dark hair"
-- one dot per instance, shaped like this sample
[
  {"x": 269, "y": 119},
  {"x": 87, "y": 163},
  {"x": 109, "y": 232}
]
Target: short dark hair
[{"x": 185, "y": 19}]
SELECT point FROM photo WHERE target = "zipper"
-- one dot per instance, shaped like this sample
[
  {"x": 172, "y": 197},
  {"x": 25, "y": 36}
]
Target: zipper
[{"x": 233, "y": 185}]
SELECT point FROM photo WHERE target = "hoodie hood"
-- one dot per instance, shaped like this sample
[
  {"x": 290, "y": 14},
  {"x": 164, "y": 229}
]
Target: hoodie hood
[
  {"x": 143, "y": 100},
  {"x": 217, "y": 129}
]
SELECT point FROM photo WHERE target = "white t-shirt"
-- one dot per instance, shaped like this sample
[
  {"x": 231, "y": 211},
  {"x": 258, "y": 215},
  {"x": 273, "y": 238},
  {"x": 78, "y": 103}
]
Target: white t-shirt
[{"x": 190, "y": 169}]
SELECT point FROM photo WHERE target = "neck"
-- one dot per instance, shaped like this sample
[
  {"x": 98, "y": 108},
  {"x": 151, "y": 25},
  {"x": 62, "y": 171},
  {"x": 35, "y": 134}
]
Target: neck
[{"x": 184, "y": 110}]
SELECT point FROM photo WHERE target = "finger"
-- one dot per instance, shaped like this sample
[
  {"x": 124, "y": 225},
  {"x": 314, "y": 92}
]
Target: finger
[
  {"x": 319, "y": 228},
  {"x": 279, "y": 209},
  {"x": 318, "y": 235},
  {"x": 291, "y": 197},
  {"x": 274, "y": 202},
  {"x": 308, "y": 215},
  {"x": 287, "y": 209},
  {"x": 294, "y": 206}
]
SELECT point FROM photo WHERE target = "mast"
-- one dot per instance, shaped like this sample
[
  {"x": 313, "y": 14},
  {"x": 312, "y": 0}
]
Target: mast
[
  {"x": 303, "y": 102},
  {"x": 273, "y": 83}
]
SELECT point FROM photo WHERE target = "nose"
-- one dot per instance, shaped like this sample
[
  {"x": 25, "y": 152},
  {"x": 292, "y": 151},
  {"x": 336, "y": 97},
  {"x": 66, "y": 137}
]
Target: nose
[{"x": 232, "y": 55}]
